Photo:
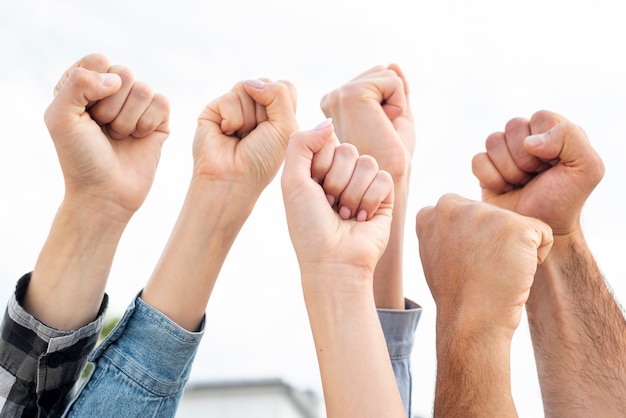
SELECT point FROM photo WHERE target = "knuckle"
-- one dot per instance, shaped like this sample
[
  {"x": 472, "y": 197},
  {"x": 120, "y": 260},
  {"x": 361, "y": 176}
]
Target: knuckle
[
  {"x": 347, "y": 151},
  {"x": 161, "y": 102},
  {"x": 78, "y": 77},
  {"x": 494, "y": 140},
  {"x": 125, "y": 73},
  {"x": 540, "y": 115},
  {"x": 146, "y": 125},
  {"x": 324, "y": 103},
  {"x": 514, "y": 123},
  {"x": 477, "y": 163},
  {"x": 142, "y": 91},
  {"x": 348, "y": 94},
  {"x": 368, "y": 162},
  {"x": 385, "y": 177}
]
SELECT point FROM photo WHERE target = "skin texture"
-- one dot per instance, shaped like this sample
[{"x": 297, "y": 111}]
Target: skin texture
[
  {"x": 338, "y": 250},
  {"x": 546, "y": 168},
  {"x": 479, "y": 262},
  {"x": 372, "y": 112},
  {"x": 108, "y": 130},
  {"x": 238, "y": 148}
]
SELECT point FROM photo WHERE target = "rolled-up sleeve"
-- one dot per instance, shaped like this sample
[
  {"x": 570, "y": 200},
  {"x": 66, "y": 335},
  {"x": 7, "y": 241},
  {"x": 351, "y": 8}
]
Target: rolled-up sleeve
[
  {"x": 39, "y": 365},
  {"x": 399, "y": 329}
]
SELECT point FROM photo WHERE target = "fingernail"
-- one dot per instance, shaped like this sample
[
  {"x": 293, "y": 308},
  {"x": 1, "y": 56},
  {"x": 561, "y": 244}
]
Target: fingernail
[
  {"x": 536, "y": 140},
  {"x": 109, "y": 79},
  {"x": 331, "y": 199},
  {"x": 362, "y": 215},
  {"x": 324, "y": 125},
  {"x": 257, "y": 84},
  {"x": 345, "y": 212}
]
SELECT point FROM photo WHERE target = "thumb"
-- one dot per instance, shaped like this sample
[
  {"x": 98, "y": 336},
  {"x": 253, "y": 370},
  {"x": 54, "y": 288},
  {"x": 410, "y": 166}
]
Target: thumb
[
  {"x": 82, "y": 87},
  {"x": 567, "y": 143},
  {"x": 302, "y": 146},
  {"x": 279, "y": 99}
]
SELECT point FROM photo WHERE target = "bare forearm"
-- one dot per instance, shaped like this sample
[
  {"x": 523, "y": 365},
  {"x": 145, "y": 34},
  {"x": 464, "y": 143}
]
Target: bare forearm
[
  {"x": 579, "y": 335},
  {"x": 211, "y": 217},
  {"x": 70, "y": 275},
  {"x": 388, "y": 277},
  {"x": 473, "y": 375},
  {"x": 354, "y": 363}
]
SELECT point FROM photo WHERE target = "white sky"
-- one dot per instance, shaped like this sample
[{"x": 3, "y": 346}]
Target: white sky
[{"x": 471, "y": 65}]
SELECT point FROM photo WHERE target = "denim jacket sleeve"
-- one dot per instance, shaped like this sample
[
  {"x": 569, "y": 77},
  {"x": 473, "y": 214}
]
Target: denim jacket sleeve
[
  {"x": 144, "y": 364},
  {"x": 399, "y": 329},
  {"x": 39, "y": 365}
]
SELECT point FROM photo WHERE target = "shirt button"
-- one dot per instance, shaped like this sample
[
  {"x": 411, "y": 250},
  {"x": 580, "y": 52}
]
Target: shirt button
[{"x": 55, "y": 360}]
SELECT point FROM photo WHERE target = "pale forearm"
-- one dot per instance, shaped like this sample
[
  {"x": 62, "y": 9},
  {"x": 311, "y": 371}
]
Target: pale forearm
[
  {"x": 356, "y": 372},
  {"x": 473, "y": 375},
  {"x": 69, "y": 279},
  {"x": 388, "y": 277},
  {"x": 212, "y": 216},
  {"x": 579, "y": 335}
]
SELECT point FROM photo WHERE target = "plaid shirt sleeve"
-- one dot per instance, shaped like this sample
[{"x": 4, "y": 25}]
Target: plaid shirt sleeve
[{"x": 39, "y": 365}]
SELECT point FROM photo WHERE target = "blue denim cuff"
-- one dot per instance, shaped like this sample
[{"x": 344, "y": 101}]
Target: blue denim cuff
[
  {"x": 151, "y": 349},
  {"x": 399, "y": 328}
]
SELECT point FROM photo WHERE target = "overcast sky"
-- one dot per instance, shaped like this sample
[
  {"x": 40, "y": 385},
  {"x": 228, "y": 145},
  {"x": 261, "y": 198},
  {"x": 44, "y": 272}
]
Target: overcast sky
[{"x": 471, "y": 66}]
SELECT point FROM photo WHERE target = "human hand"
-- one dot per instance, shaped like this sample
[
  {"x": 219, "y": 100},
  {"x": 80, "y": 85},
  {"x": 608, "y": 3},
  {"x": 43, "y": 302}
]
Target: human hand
[
  {"x": 480, "y": 261},
  {"x": 338, "y": 203},
  {"x": 242, "y": 136},
  {"x": 372, "y": 112},
  {"x": 339, "y": 208},
  {"x": 544, "y": 167},
  {"x": 108, "y": 131}
]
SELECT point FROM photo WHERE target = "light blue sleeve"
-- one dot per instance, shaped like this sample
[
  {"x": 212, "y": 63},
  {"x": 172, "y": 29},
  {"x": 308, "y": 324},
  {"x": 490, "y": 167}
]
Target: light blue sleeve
[
  {"x": 140, "y": 369},
  {"x": 399, "y": 329}
]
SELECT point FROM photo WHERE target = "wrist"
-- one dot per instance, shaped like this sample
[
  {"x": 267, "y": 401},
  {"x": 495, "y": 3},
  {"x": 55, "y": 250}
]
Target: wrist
[
  {"x": 567, "y": 277},
  {"x": 338, "y": 297},
  {"x": 90, "y": 221},
  {"x": 233, "y": 195},
  {"x": 550, "y": 278},
  {"x": 481, "y": 344},
  {"x": 211, "y": 217},
  {"x": 466, "y": 323},
  {"x": 94, "y": 212},
  {"x": 563, "y": 243},
  {"x": 336, "y": 280}
]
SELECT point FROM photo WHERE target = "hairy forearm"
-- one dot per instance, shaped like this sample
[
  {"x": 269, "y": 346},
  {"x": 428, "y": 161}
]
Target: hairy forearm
[
  {"x": 356, "y": 372},
  {"x": 212, "y": 216},
  {"x": 579, "y": 335},
  {"x": 473, "y": 374},
  {"x": 388, "y": 277},
  {"x": 70, "y": 275}
]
